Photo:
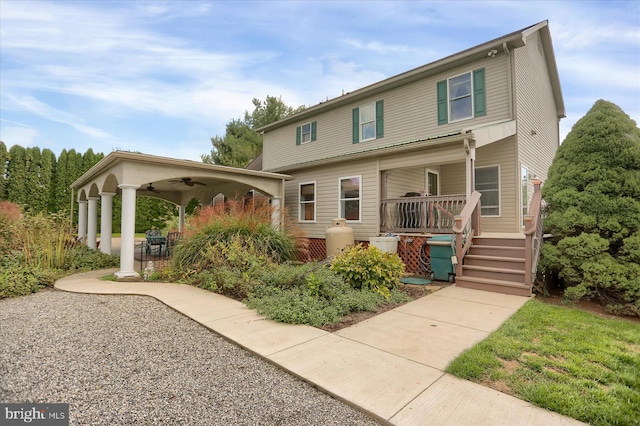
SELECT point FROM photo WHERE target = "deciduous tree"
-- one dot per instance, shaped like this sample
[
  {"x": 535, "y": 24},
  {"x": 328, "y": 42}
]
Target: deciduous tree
[{"x": 241, "y": 143}]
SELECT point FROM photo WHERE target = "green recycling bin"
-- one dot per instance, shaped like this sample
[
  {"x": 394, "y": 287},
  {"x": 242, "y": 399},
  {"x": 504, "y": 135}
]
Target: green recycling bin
[{"x": 441, "y": 249}]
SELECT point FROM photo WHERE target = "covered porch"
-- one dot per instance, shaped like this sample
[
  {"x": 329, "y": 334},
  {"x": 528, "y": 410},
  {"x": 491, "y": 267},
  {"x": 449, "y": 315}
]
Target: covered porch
[{"x": 130, "y": 175}]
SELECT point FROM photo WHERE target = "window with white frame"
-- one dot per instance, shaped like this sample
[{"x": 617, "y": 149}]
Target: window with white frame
[
  {"x": 350, "y": 191},
  {"x": 306, "y": 133},
  {"x": 488, "y": 184},
  {"x": 368, "y": 122},
  {"x": 461, "y": 97},
  {"x": 307, "y": 202}
]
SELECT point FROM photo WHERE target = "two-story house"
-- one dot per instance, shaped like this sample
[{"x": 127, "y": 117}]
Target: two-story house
[{"x": 406, "y": 154}]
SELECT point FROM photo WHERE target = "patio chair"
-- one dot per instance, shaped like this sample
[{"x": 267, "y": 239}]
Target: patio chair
[
  {"x": 172, "y": 239},
  {"x": 155, "y": 241}
]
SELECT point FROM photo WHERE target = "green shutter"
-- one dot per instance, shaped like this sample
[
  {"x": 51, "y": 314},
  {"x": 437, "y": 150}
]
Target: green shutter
[
  {"x": 379, "y": 119},
  {"x": 479, "y": 96},
  {"x": 443, "y": 110},
  {"x": 356, "y": 125},
  {"x": 313, "y": 130},
  {"x": 298, "y": 135}
]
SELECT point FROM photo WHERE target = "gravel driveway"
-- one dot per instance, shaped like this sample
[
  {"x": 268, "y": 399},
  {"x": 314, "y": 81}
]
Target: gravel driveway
[{"x": 132, "y": 360}]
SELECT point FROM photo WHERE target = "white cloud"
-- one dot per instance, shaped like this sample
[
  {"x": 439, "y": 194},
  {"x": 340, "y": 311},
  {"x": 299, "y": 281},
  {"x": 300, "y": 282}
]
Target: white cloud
[
  {"x": 40, "y": 109},
  {"x": 14, "y": 135}
]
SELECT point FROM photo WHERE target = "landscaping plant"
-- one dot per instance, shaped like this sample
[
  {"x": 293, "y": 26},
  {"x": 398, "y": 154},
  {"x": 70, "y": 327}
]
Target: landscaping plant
[
  {"x": 369, "y": 268},
  {"x": 37, "y": 249},
  {"x": 593, "y": 213}
]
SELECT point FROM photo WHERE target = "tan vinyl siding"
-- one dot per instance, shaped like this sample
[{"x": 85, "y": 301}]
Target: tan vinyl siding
[
  {"x": 502, "y": 154},
  {"x": 535, "y": 111},
  {"x": 453, "y": 179},
  {"x": 410, "y": 113},
  {"x": 326, "y": 179},
  {"x": 401, "y": 181}
]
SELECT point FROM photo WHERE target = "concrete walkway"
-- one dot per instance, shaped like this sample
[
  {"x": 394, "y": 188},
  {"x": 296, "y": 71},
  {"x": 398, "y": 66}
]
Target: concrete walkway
[{"x": 390, "y": 366}]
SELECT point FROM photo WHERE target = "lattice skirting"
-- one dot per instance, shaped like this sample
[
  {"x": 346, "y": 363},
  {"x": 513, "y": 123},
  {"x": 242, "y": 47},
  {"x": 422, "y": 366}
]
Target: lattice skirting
[{"x": 409, "y": 252}]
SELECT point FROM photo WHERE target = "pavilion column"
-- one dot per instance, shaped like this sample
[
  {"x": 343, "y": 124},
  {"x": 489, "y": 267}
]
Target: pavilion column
[
  {"x": 106, "y": 221},
  {"x": 275, "y": 213},
  {"x": 92, "y": 222},
  {"x": 181, "y": 214},
  {"x": 82, "y": 220},
  {"x": 127, "y": 240}
]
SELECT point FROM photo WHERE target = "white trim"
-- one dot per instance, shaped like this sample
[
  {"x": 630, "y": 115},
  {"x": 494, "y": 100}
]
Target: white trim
[
  {"x": 449, "y": 98},
  {"x": 340, "y": 213},
  {"x": 426, "y": 180},
  {"x": 302, "y": 141},
  {"x": 499, "y": 189},
  {"x": 360, "y": 123},
  {"x": 523, "y": 205},
  {"x": 315, "y": 202}
]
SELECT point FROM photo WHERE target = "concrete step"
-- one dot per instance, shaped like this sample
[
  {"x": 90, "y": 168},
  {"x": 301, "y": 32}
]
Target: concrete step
[
  {"x": 496, "y": 286},
  {"x": 496, "y": 251},
  {"x": 501, "y": 274},
  {"x": 495, "y": 262}
]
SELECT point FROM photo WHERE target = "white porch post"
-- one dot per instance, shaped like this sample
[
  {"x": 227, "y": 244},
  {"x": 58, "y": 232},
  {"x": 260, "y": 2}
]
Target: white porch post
[
  {"x": 128, "y": 231},
  {"x": 181, "y": 213},
  {"x": 92, "y": 222},
  {"x": 275, "y": 213},
  {"x": 470, "y": 159},
  {"x": 82, "y": 220},
  {"x": 106, "y": 221}
]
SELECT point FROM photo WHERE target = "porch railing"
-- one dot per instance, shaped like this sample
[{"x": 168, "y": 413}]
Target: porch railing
[
  {"x": 533, "y": 235},
  {"x": 467, "y": 225},
  {"x": 433, "y": 214}
]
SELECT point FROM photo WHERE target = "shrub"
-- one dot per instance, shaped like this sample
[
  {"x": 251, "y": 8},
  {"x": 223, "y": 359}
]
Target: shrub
[
  {"x": 248, "y": 225},
  {"x": 593, "y": 213},
  {"x": 320, "y": 297},
  {"x": 369, "y": 268},
  {"x": 81, "y": 257}
]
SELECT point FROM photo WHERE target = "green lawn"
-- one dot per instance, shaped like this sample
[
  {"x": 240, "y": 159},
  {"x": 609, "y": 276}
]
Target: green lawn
[{"x": 566, "y": 360}]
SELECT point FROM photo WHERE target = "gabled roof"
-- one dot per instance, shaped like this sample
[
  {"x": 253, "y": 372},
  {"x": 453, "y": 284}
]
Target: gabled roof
[{"x": 510, "y": 41}]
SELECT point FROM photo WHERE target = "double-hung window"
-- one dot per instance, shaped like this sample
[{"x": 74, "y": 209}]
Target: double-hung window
[
  {"x": 307, "y": 202},
  {"x": 368, "y": 122},
  {"x": 306, "y": 133},
  {"x": 461, "y": 97},
  {"x": 488, "y": 184},
  {"x": 350, "y": 190}
]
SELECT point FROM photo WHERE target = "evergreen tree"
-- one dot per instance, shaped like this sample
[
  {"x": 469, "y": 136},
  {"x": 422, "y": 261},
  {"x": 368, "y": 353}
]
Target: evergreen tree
[
  {"x": 17, "y": 175},
  {"x": 4, "y": 158},
  {"x": 34, "y": 200},
  {"x": 593, "y": 213},
  {"x": 47, "y": 173}
]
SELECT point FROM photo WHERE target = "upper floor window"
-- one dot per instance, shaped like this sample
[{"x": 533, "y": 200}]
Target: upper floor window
[
  {"x": 461, "y": 97},
  {"x": 307, "y": 202},
  {"x": 350, "y": 196},
  {"x": 488, "y": 184},
  {"x": 368, "y": 122},
  {"x": 306, "y": 133}
]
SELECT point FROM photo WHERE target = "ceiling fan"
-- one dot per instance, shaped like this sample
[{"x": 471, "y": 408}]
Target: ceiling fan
[
  {"x": 187, "y": 181},
  {"x": 150, "y": 188}
]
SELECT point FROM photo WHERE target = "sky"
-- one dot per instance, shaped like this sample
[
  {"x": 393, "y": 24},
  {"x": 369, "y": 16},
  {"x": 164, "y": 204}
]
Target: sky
[{"x": 163, "y": 77}]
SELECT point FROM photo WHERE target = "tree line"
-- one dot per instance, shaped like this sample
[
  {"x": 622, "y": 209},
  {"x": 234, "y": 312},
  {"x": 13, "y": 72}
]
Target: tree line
[{"x": 40, "y": 182}]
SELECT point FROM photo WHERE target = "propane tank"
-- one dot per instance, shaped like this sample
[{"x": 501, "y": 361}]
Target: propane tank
[{"x": 338, "y": 237}]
